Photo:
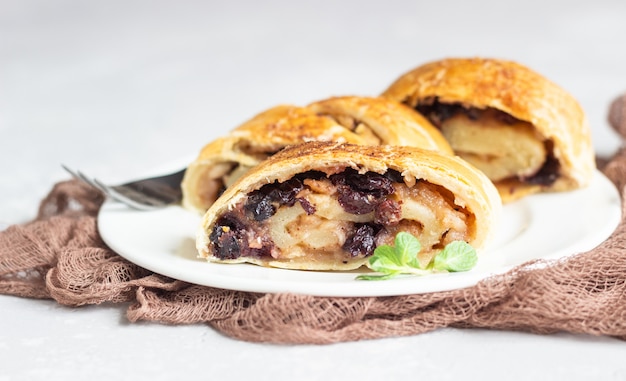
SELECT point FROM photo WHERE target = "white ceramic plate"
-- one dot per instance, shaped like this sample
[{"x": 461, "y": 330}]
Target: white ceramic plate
[{"x": 540, "y": 226}]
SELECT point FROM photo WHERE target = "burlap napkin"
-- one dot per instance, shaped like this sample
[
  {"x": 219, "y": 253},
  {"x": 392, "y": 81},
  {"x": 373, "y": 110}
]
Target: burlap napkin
[{"x": 60, "y": 255}]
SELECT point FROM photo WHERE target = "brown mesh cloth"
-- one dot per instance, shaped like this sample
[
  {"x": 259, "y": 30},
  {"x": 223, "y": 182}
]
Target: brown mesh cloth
[{"x": 60, "y": 255}]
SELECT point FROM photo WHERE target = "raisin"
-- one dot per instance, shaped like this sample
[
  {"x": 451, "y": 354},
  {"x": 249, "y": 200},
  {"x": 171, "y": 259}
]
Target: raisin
[
  {"x": 356, "y": 202},
  {"x": 361, "y": 193},
  {"x": 306, "y": 205},
  {"x": 369, "y": 182},
  {"x": 388, "y": 212},
  {"x": 262, "y": 203},
  {"x": 260, "y": 206},
  {"x": 548, "y": 173},
  {"x": 227, "y": 238},
  {"x": 362, "y": 242},
  {"x": 285, "y": 193},
  {"x": 315, "y": 175},
  {"x": 438, "y": 112},
  {"x": 506, "y": 118},
  {"x": 229, "y": 245},
  {"x": 394, "y": 176},
  {"x": 232, "y": 220}
]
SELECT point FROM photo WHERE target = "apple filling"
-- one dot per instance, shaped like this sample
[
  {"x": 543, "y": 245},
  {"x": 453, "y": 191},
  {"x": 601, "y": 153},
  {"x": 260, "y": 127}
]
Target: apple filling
[
  {"x": 338, "y": 218},
  {"x": 503, "y": 147}
]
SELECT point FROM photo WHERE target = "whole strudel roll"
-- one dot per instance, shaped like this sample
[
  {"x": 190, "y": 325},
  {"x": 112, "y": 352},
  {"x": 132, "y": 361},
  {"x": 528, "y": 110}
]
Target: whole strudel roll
[
  {"x": 349, "y": 119},
  {"x": 525, "y": 132},
  {"x": 327, "y": 206}
]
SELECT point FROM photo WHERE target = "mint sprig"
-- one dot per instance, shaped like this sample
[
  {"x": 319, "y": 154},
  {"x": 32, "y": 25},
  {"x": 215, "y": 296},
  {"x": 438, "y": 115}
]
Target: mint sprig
[
  {"x": 391, "y": 261},
  {"x": 456, "y": 256}
]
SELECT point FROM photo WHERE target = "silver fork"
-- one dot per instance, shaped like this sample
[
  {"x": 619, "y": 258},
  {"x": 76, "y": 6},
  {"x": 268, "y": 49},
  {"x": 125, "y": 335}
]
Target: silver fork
[{"x": 145, "y": 194}]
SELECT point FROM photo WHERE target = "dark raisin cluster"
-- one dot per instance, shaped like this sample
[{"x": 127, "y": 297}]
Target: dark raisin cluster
[
  {"x": 365, "y": 193},
  {"x": 227, "y": 237},
  {"x": 437, "y": 112},
  {"x": 363, "y": 241},
  {"x": 358, "y": 194},
  {"x": 230, "y": 238},
  {"x": 262, "y": 203},
  {"x": 362, "y": 194}
]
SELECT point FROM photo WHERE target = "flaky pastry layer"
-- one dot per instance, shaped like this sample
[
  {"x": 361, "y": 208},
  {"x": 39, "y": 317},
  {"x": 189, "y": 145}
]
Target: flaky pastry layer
[{"x": 523, "y": 98}]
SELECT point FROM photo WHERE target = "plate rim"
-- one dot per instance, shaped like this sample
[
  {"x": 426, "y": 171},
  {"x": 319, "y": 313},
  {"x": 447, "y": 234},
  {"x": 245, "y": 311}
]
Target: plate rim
[{"x": 339, "y": 287}]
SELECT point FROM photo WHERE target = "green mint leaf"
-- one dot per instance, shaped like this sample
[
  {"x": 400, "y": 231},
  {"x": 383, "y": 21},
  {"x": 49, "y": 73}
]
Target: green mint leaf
[
  {"x": 391, "y": 261},
  {"x": 456, "y": 256},
  {"x": 407, "y": 247},
  {"x": 385, "y": 260}
]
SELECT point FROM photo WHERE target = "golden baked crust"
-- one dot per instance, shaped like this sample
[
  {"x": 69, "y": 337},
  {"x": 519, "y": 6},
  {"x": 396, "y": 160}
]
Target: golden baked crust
[
  {"x": 349, "y": 119},
  {"x": 518, "y": 91},
  {"x": 283, "y": 125},
  {"x": 249, "y": 144},
  {"x": 466, "y": 189},
  {"x": 392, "y": 123}
]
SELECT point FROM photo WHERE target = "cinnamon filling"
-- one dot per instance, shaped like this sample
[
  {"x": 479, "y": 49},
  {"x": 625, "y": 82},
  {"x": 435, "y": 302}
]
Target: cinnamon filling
[{"x": 341, "y": 217}]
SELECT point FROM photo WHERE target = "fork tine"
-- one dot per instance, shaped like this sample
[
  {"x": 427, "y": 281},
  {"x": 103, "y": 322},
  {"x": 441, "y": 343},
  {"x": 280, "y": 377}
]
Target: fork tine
[
  {"x": 101, "y": 187},
  {"x": 95, "y": 183},
  {"x": 114, "y": 194},
  {"x": 80, "y": 176},
  {"x": 74, "y": 174},
  {"x": 68, "y": 170},
  {"x": 147, "y": 194}
]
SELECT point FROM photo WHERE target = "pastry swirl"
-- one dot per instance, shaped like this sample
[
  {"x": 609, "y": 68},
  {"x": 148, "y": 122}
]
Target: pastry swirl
[
  {"x": 327, "y": 206},
  {"x": 525, "y": 132}
]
